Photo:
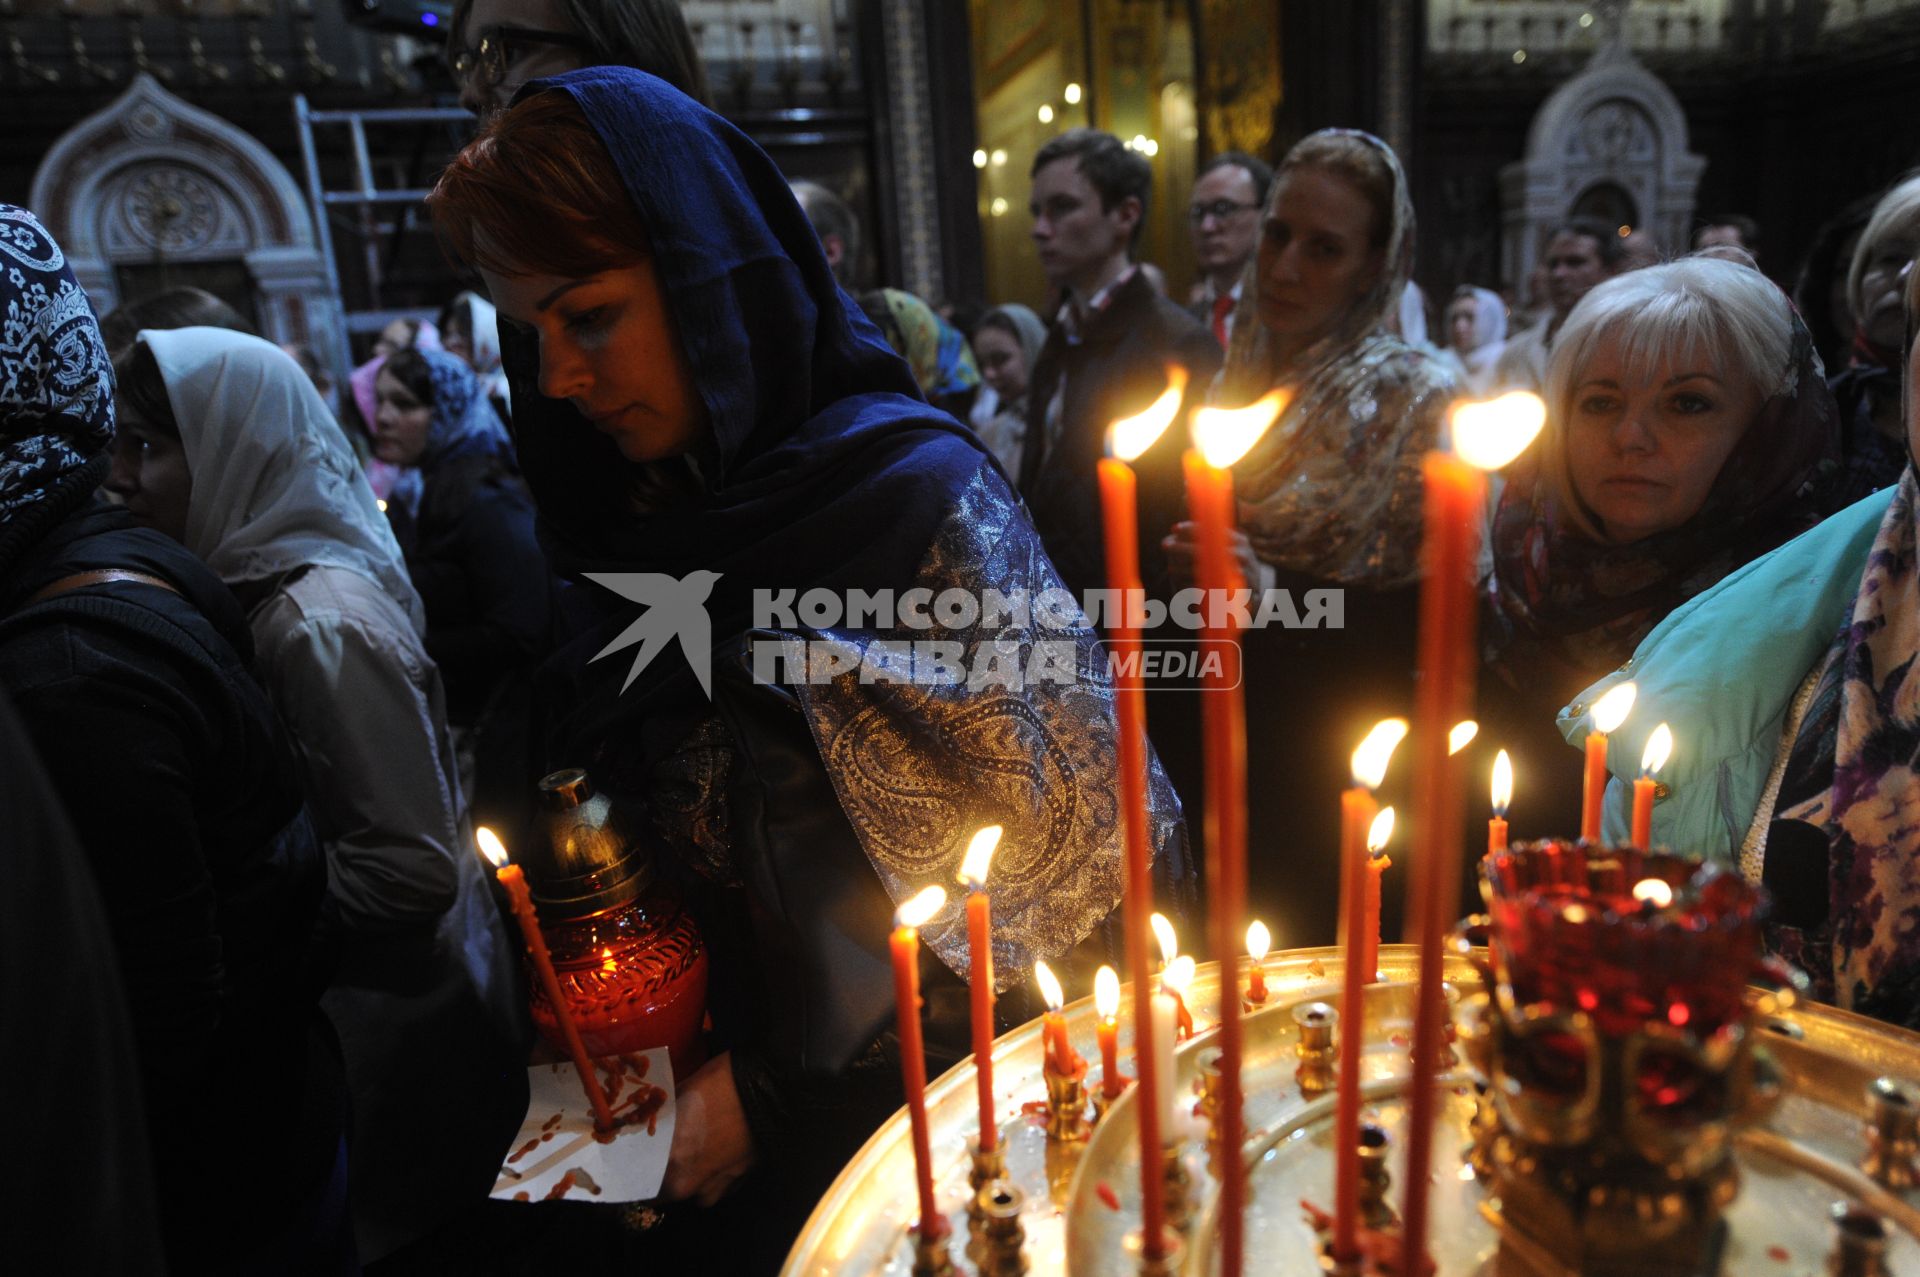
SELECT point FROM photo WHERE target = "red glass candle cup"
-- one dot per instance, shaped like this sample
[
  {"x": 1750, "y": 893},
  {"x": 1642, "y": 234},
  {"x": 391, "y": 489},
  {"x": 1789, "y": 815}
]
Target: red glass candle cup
[{"x": 629, "y": 960}]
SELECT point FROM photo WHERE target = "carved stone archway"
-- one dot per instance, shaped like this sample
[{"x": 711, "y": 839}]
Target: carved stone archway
[
  {"x": 152, "y": 181},
  {"x": 1613, "y": 130}
]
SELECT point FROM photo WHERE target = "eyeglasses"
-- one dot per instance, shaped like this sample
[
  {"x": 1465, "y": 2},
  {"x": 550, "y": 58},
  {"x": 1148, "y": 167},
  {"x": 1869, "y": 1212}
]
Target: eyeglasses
[
  {"x": 500, "y": 47},
  {"x": 1219, "y": 211}
]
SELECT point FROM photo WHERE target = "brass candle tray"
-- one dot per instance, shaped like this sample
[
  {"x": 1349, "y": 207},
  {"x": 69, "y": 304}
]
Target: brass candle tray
[{"x": 1082, "y": 1200}]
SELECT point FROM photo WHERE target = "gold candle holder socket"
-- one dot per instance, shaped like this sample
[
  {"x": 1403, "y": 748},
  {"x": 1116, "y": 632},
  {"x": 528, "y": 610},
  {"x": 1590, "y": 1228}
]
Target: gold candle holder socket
[
  {"x": 1893, "y": 1135},
  {"x": 1209, "y": 1108},
  {"x": 1375, "y": 1178},
  {"x": 1179, "y": 1188},
  {"x": 1002, "y": 1236},
  {"x": 988, "y": 1165},
  {"x": 1859, "y": 1243},
  {"x": 1317, "y": 1049},
  {"x": 1171, "y": 1261},
  {"x": 930, "y": 1257},
  {"x": 1066, "y": 1106}
]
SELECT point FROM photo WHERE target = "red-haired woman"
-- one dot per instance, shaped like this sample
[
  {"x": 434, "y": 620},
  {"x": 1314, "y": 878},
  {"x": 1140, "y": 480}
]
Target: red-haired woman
[{"x": 705, "y": 422}]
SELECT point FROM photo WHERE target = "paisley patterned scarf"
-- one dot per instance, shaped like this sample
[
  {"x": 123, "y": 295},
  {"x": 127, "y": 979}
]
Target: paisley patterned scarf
[{"x": 56, "y": 386}]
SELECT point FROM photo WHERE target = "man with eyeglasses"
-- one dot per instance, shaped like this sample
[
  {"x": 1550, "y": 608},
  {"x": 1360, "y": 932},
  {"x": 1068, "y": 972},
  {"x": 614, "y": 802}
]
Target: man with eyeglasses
[
  {"x": 495, "y": 46},
  {"x": 1224, "y": 214}
]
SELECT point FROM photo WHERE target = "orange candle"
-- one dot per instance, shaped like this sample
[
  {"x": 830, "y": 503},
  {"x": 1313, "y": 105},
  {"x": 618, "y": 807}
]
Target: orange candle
[
  {"x": 1608, "y": 713},
  {"x": 1659, "y": 746},
  {"x": 1357, "y": 812},
  {"x": 1221, "y": 437},
  {"x": 521, "y": 898},
  {"x": 1377, "y": 865},
  {"x": 1259, "y": 940},
  {"x": 1502, "y": 798},
  {"x": 1061, "y": 1059},
  {"x": 1127, "y": 440},
  {"x": 1106, "y": 1001},
  {"x": 1485, "y": 436},
  {"x": 1174, "y": 982},
  {"x": 973, "y": 872},
  {"x": 905, "y": 940}
]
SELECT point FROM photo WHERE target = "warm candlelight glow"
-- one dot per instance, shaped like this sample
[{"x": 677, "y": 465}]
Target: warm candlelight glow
[
  {"x": 1178, "y": 975},
  {"x": 1380, "y": 833},
  {"x": 1611, "y": 710},
  {"x": 490, "y": 847},
  {"x": 1106, "y": 992},
  {"x": 1659, "y": 748},
  {"x": 1462, "y": 735},
  {"x": 1654, "y": 892},
  {"x": 1491, "y": 432},
  {"x": 1259, "y": 940},
  {"x": 1224, "y": 435},
  {"x": 1502, "y": 784},
  {"x": 1376, "y": 751},
  {"x": 918, "y": 911},
  {"x": 1129, "y": 437},
  {"x": 1050, "y": 991},
  {"x": 973, "y": 867},
  {"x": 1163, "y": 932}
]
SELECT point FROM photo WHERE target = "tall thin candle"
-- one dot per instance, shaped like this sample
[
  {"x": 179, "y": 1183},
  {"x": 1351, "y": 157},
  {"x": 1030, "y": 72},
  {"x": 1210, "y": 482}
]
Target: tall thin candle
[
  {"x": 1608, "y": 713},
  {"x": 1659, "y": 747},
  {"x": 1379, "y": 833},
  {"x": 1357, "y": 810},
  {"x": 911, "y": 916},
  {"x": 1221, "y": 437},
  {"x": 1127, "y": 440},
  {"x": 973, "y": 872},
  {"x": 1485, "y": 437},
  {"x": 521, "y": 898},
  {"x": 1502, "y": 799}
]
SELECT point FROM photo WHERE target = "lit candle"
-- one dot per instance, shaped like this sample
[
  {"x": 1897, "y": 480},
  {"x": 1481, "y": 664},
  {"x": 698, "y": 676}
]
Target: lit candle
[
  {"x": 973, "y": 872},
  {"x": 1608, "y": 713},
  {"x": 911, "y": 916},
  {"x": 1502, "y": 799},
  {"x": 1106, "y": 1001},
  {"x": 1127, "y": 440},
  {"x": 1221, "y": 437},
  {"x": 1378, "y": 834},
  {"x": 521, "y": 898},
  {"x": 1357, "y": 810},
  {"x": 1654, "y": 892},
  {"x": 1175, "y": 981},
  {"x": 1485, "y": 437},
  {"x": 1061, "y": 1058},
  {"x": 1659, "y": 746},
  {"x": 1163, "y": 935},
  {"x": 1165, "y": 1009},
  {"x": 1259, "y": 940},
  {"x": 1462, "y": 735}
]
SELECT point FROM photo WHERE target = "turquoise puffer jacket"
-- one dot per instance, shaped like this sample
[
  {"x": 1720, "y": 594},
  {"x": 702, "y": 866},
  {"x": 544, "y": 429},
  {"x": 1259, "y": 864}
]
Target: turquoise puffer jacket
[{"x": 1722, "y": 671}]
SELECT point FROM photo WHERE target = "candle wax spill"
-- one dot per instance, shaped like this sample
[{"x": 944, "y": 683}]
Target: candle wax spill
[
  {"x": 522, "y": 1196},
  {"x": 1779, "y": 1254},
  {"x": 1107, "y": 1195},
  {"x": 561, "y": 1189},
  {"x": 524, "y": 1149}
]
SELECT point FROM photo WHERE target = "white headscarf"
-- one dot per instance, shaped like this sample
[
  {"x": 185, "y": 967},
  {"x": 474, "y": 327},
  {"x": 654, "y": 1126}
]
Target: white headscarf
[
  {"x": 275, "y": 486},
  {"x": 483, "y": 332}
]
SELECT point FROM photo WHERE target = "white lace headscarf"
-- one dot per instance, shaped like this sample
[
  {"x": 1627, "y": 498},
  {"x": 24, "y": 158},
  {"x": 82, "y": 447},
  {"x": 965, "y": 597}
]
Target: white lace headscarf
[{"x": 275, "y": 485}]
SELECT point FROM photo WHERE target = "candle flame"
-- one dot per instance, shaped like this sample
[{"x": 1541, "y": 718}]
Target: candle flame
[
  {"x": 1654, "y": 892},
  {"x": 1502, "y": 784},
  {"x": 1259, "y": 940},
  {"x": 1224, "y": 435},
  {"x": 490, "y": 847},
  {"x": 918, "y": 911},
  {"x": 1381, "y": 831},
  {"x": 1163, "y": 932},
  {"x": 1462, "y": 735},
  {"x": 1376, "y": 751},
  {"x": 1128, "y": 437},
  {"x": 1490, "y": 433},
  {"x": 1106, "y": 992},
  {"x": 1050, "y": 991},
  {"x": 1611, "y": 710},
  {"x": 1178, "y": 975},
  {"x": 973, "y": 866},
  {"x": 1659, "y": 749}
]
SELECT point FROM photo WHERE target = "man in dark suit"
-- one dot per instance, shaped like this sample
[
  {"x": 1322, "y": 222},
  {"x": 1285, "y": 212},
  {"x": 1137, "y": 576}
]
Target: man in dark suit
[
  {"x": 1106, "y": 355},
  {"x": 1229, "y": 199}
]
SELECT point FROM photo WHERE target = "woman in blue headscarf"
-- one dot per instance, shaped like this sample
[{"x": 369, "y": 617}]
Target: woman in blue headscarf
[
  {"x": 464, "y": 520},
  {"x": 710, "y": 426}
]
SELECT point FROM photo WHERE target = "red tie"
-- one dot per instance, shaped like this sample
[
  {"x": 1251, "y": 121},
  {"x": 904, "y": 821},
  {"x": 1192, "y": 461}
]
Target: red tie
[{"x": 1222, "y": 307}]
